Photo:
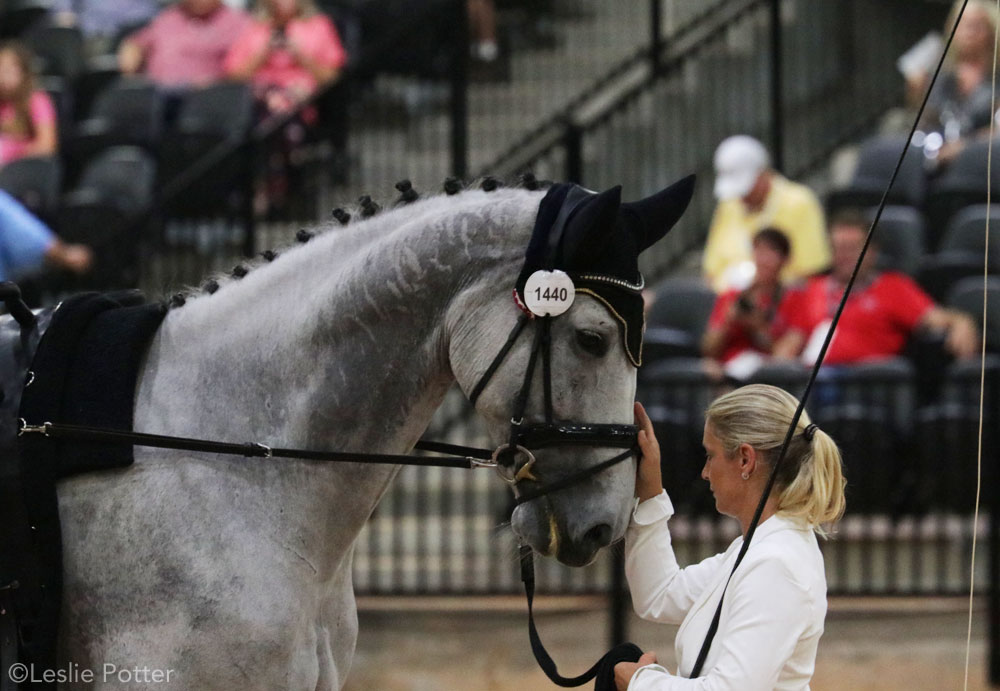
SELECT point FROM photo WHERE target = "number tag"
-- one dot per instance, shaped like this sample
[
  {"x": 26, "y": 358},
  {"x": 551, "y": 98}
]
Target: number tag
[{"x": 549, "y": 293}]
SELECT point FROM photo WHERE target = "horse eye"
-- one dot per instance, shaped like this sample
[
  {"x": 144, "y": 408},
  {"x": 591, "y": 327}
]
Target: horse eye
[{"x": 592, "y": 342}]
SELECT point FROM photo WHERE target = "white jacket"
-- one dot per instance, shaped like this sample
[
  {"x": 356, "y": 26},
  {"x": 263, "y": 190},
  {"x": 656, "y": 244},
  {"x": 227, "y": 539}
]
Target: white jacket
[{"x": 772, "y": 614}]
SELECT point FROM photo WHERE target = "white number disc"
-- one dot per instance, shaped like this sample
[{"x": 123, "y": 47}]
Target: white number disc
[{"x": 549, "y": 293}]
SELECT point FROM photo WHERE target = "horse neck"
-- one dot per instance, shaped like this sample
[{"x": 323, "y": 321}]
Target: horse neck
[{"x": 341, "y": 343}]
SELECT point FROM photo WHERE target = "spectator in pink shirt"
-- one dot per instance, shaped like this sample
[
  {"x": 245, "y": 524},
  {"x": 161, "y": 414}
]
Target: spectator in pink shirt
[
  {"x": 286, "y": 53},
  {"x": 185, "y": 45},
  {"x": 27, "y": 117}
]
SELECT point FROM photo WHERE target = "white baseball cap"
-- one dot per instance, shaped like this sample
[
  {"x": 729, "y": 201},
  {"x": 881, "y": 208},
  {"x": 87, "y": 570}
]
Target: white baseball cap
[{"x": 739, "y": 161}]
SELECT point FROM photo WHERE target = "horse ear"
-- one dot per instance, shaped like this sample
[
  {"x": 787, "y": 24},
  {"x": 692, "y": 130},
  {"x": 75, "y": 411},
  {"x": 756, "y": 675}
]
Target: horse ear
[
  {"x": 591, "y": 228},
  {"x": 649, "y": 219}
]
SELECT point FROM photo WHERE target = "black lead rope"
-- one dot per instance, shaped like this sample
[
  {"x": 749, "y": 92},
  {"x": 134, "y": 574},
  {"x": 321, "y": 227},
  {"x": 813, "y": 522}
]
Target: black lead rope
[{"x": 714, "y": 626}]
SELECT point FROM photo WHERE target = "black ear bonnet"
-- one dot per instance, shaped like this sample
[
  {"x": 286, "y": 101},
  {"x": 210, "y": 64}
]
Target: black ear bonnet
[{"x": 597, "y": 240}]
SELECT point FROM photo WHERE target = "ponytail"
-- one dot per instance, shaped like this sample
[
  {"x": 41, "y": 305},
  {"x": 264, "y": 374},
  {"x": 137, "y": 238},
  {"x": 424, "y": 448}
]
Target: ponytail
[{"x": 816, "y": 494}]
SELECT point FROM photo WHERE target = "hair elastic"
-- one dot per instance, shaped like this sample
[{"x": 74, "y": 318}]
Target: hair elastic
[{"x": 810, "y": 431}]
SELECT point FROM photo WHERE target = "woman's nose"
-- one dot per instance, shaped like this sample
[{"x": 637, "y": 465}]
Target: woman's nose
[{"x": 704, "y": 471}]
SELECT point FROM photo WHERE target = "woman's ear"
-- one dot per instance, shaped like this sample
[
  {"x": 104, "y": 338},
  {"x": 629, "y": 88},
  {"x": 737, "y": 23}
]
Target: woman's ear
[{"x": 748, "y": 458}]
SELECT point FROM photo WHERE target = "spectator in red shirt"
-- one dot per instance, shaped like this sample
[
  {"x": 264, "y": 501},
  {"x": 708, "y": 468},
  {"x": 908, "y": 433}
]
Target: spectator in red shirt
[
  {"x": 185, "y": 45},
  {"x": 27, "y": 116},
  {"x": 745, "y": 324},
  {"x": 884, "y": 308}
]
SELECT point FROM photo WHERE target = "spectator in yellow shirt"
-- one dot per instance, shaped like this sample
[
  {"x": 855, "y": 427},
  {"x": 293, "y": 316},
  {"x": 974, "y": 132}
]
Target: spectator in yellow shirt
[{"x": 752, "y": 196}]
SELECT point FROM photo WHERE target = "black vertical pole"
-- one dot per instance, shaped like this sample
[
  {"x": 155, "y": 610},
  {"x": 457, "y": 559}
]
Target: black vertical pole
[
  {"x": 619, "y": 601},
  {"x": 460, "y": 91},
  {"x": 573, "y": 141},
  {"x": 993, "y": 663},
  {"x": 656, "y": 34},
  {"x": 777, "y": 124}
]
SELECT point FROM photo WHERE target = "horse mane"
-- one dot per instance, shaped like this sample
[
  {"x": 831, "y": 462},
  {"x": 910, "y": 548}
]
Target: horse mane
[{"x": 353, "y": 229}]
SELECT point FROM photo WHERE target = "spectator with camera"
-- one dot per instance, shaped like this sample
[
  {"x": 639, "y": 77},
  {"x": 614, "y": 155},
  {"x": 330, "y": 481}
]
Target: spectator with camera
[{"x": 745, "y": 324}]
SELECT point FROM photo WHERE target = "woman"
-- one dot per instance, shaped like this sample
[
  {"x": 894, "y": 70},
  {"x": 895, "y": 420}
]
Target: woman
[
  {"x": 287, "y": 52},
  {"x": 960, "y": 106},
  {"x": 775, "y": 604},
  {"x": 27, "y": 116}
]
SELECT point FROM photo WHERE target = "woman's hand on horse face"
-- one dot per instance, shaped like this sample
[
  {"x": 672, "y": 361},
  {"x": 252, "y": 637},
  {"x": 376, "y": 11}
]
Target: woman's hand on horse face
[
  {"x": 648, "y": 482},
  {"x": 624, "y": 671}
]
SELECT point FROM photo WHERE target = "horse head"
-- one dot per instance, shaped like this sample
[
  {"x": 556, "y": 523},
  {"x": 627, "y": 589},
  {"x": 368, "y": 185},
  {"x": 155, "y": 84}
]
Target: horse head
[{"x": 570, "y": 400}]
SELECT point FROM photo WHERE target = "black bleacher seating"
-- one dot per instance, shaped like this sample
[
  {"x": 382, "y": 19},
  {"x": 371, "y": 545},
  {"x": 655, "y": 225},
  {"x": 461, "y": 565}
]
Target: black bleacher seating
[
  {"x": 35, "y": 181},
  {"x": 17, "y": 16},
  {"x": 967, "y": 231},
  {"x": 939, "y": 272},
  {"x": 868, "y": 409},
  {"x": 967, "y": 295},
  {"x": 59, "y": 50},
  {"x": 900, "y": 237},
  {"x": 877, "y": 159},
  {"x": 962, "y": 184},
  {"x": 789, "y": 375},
  {"x": 677, "y": 318},
  {"x": 946, "y": 438},
  {"x": 207, "y": 118},
  {"x": 128, "y": 112},
  {"x": 114, "y": 190}
]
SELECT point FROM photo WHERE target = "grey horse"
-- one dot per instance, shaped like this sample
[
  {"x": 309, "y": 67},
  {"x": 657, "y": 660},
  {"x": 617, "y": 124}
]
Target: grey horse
[{"x": 235, "y": 573}]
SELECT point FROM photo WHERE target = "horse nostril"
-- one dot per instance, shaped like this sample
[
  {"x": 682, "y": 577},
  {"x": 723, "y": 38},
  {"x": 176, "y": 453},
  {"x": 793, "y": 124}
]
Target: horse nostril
[{"x": 598, "y": 536}]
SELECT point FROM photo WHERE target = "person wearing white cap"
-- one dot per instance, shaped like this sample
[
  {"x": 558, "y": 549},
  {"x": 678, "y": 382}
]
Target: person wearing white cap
[{"x": 753, "y": 196}]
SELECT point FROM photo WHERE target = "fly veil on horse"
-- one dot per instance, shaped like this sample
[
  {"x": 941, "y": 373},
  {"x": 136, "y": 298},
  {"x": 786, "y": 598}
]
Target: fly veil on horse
[{"x": 235, "y": 572}]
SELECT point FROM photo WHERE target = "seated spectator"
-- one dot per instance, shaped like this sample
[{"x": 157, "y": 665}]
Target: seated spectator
[
  {"x": 185, "y": 45},
  {"x": 745, "y": 324},
  {"x": 27, "y": 117},
  {"x": 100, "y": 21},
  {"x": 26, "y": 244},
  {"x": 959, "y": 106},
  {"x": 288, "y": 51},
  {"x": 883, "y": 310},
  {"x": 753, "y": 196}
]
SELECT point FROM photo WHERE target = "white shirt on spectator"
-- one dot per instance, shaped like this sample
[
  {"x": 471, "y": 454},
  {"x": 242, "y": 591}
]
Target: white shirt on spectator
[{"x": 772, "y": 614}]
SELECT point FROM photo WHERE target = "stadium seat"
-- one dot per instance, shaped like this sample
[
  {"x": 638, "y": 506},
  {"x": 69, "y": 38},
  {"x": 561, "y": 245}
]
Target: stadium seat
[
  {"x": 967, "y": 231},
  {"x": 128, "y": 112},
  {"x": 868, "y": 408},
  {"x": 967, "y": 296},
  {"x": 102, "y": 211},
  {"x": 876, "y": 161},
  {"x": 939, "y": 272},
  {"x": 17, "y": 16},
  {"x": 962, "y": 184},
  {"x": 35, "y": 181},
  {"x": 59, "y": 50},
  {"x": 946, "y": 443},
  {"x": 678, "y": 317},
  {"x": 785, "y": 374},
  {"x": 207, "y": 118},
  {"x": 900, "y": 237}
]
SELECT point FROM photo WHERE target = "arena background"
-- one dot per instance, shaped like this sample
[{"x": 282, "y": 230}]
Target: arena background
[{"x": 636, "y": 93}]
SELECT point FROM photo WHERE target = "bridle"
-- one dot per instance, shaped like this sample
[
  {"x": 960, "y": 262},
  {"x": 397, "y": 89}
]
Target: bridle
[{"x": 525, "y": 437}]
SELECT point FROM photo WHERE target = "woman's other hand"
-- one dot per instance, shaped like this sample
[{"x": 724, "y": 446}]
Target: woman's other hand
[
  {"x": 648, "y": 481},
  {"x": 624, "y": 671}
]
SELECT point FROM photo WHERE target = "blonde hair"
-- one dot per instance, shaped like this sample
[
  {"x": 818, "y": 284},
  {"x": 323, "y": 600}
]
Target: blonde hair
[
  {"x": 992, "y": 15},
  {"x": 810, "y": 482}
]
